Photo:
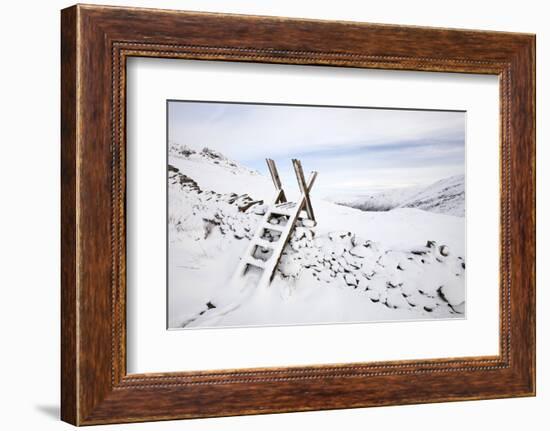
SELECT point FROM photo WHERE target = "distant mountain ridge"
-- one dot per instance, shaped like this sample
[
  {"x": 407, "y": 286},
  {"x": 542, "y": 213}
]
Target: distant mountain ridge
[{"x": 446, "y": 196}]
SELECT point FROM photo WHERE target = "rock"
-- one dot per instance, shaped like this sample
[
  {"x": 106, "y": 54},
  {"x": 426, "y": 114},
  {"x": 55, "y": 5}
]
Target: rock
[
  {"x": 444, "y": 250},
  {"x": 453, "y": 295},
  {"x": 350, "y": 280},
  {"x": 325, "y": 276},
  {"x": 352, "y": 261},
  {"x": 459, "y": 308},
  {"x": 367, "y": 275},
  {"x": 336, "y": 250},
  {"x": 396, "y": 300},
  {"x": 183, "y": 150},
  {"x": 296, "y": 245},
  {"x": 359, "y": 240},
  {"x": 362, "y": 283},
  {"x": 373, "y": 296},
  {"x": 289, "y": 267},
  {"x": 212, "y": 154},
  {"x": 299, "y": 233},
  {"x": 308, "y": 262},
  {"x": 359, "y": 251},
  {"x": 229, "y": 198},
  {"x": 246, "y": 206},
  {"x": 322, "y": 243},
  {"x": 259, "y": 209},
  {"x": 308, "y": 223},
  {"x": 339, "y": 236}
]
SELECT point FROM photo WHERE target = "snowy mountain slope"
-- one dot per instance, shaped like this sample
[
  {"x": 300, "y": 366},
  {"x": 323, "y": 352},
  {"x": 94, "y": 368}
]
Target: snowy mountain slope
[
  {"x": 214, "y": 171},
  {"x": 401, "y": 264},
  {"x": 379, "y": 201},
  {"x": 446, "y": 196}
]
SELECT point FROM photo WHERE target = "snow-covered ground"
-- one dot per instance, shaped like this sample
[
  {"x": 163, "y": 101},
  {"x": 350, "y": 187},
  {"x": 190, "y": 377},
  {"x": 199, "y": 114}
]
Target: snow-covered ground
[
  {"x": 355, "y": 265},
  {"x": 446, "y": 196}
]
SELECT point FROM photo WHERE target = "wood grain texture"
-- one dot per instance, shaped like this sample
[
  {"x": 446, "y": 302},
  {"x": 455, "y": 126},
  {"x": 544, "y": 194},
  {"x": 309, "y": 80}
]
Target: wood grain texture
[
  {"x": 96, "y": 41},
  {"x": 68, "y": 218}
]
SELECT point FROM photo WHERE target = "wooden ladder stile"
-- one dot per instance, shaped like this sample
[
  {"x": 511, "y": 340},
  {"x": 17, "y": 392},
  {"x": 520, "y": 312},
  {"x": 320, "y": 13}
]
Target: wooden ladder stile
[
  {"x": 279, "y": 246},
  {"x": 279, "y": 207},
  {"x": 257, "y": 239}
]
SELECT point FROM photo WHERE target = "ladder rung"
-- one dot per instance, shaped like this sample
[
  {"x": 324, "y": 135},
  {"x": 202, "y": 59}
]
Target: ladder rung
[
  {"x": 280, "y": 211},
  {"x": 255, "y": 262},
  {"x": 285, "y": 206},
  {"x": 274, "y": 227},
  {"x": 263, "y": 243}
]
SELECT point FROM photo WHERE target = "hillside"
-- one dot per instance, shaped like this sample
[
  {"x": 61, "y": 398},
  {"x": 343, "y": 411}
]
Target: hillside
[{"x": 446, "y": 196}]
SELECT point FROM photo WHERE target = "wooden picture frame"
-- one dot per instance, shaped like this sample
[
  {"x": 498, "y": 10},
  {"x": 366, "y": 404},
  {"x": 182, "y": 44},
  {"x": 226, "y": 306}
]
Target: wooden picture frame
[{"x": 95, "y": 43}]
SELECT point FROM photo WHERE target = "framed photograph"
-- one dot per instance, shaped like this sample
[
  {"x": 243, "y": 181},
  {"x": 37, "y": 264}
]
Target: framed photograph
[
  {"x": 383, "y": 214},
  {"x": 263, "y": 214}
]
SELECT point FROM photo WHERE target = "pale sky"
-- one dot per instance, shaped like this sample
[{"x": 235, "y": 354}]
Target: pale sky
[{"x": 355, "y": 150}]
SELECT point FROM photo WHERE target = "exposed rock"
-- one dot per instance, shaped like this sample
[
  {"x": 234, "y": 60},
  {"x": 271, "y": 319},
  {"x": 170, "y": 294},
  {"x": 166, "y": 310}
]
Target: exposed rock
[
  {"x": 339, "y": 235},
  {"x": 259, "y": 209},
  {"x": 250, "y": 204},
  {"x": 359, "y": 251},
  {"x": 350, "y": 280}
]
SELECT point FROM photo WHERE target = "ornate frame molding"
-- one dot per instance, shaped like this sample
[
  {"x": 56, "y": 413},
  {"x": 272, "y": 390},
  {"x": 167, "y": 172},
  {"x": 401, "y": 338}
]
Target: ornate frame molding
[{"x": 96, "y": 41}]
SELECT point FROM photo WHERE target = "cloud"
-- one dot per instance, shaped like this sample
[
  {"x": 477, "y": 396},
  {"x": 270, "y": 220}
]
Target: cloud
[{"x": 352, "y": 147}]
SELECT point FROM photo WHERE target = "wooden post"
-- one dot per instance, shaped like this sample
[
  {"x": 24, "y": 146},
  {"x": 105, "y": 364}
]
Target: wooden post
[
  {"x": 311, "y": 181},
  {"x": 303, "y": 186},
  {"x": 276, "y": 179}
]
